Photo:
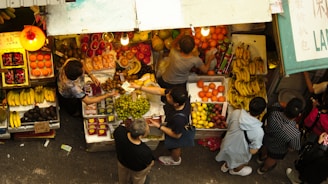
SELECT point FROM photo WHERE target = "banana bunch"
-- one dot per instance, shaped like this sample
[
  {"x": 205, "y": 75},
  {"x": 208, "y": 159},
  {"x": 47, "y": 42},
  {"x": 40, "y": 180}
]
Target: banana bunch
[
  {"x": 23, "y": 97},
  {"x": 259, "y": 64},
  {"x": 49, "y": 94},
  {"x": 14, "y": 119},
  {"x": 243, "y": 54},
  {"x": 243, "y": 74},
  {"x": 7, "y": 14},
  {"x": 146, "y": 79},
  {"x": 134, "y": 67},
  {"x": 39, "y": 94}
]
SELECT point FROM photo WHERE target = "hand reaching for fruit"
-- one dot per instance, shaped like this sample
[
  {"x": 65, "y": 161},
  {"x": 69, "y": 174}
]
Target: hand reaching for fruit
[{"x": 153, "y": 123}]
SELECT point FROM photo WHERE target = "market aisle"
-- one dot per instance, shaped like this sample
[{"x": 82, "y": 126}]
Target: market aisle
[{"x": 29, "y": 162}]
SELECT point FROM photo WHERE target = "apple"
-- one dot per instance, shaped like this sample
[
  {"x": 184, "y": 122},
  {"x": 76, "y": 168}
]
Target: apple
[
  {"x": 98, "y": 52},
  {"x": 85, "y": 39},
  {"x": 125, "y": 47},
  {"x": 146, "y": 60},
  {"x": 134, "y": 49},
  {"x": 102, "y": 45},
  {"x": 130, "y": 35},
  {"x": 84, "y": 47},
  {"x": 95, "y": 37},
  {"x": 90, "y": 53},
  {"x": 94, "y": 45},
  {"x": 140, "y": 56}
]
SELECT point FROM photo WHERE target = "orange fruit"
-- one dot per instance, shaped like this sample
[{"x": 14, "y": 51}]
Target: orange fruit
[
  {"x": 205, "y": 88},
  {"x": 36, "y": 72},
  {"x": 221, "y": 88},
  {"x": 39, "y": 57},
  {"x": 204, "y": 99},
  {"x": 212, "y": 29},
  {"x": 208, "y": 94},
  {"x": 220, "y": 36},
  {"x": 215, "y": 92},
  {"x": 48, "y": 64},
  {"x": 45, "y": 72},
  {"x": 33, "y": 65},
  {"x": 218, "y": 30},
  {"x": 200, "y": 83},
  {"x": 47, "y": 57},
  {"x": 40, "y": 64},
  {"x": 212, "y": 85},
  {"x": 197, "y": 41},
  {"x": 214, "y": 98},
  {"x": 32, "y": 57},
  {"x": 201, "y": 94},
  {"x": 221, "y": 99},
  {"x": 49, "y": 70},
  {"x": 198, "y": 35},
  {"x": 211, "y": 72},
  {"x": 198, "y": 29},
  {"x": 213, "y": 43},
  {"x": 224, "y": 30},
  {"x": 214, "y": 36}
]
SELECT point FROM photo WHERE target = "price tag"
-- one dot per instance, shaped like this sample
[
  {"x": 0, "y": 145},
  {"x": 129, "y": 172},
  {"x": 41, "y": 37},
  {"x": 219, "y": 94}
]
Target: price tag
[{"x": 41, "y": 127}]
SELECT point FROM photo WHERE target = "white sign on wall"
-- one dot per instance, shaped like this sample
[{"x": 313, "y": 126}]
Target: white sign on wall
[{"x": 309, "y": 28}]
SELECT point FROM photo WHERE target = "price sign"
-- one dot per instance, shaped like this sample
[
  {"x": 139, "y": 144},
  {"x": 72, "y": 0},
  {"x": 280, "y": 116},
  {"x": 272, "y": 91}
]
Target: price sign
[
  {"x": 41, "y": 127},
  {"x": 10, "y": 40}
]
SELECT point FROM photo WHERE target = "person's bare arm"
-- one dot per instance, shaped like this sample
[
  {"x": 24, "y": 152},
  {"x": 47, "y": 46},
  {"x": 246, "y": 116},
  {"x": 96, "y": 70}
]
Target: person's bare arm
[
  {"x": 95, "y": 99},
  {"x": 149, "y": 89},
  {"x": 164, "y": 129},
  {"x": 253, "y": 151},
  {"x": 308, "y": 82},
  {"x": 204, "y": 68}
]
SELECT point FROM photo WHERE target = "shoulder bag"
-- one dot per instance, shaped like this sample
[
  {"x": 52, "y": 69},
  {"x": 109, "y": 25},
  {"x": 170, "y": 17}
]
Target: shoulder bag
[{"x": 186, "y": 139}]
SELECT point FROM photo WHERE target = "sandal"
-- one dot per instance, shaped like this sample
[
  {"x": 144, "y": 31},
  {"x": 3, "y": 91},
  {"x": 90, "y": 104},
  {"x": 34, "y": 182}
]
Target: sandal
[{"x": 261, "y": 171}]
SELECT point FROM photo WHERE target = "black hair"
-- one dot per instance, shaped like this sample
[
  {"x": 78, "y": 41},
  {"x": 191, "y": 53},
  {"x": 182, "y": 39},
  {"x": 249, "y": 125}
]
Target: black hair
[
  {"x": 257, "y": 106},
  {"x": 137, "y": 128},
  {"x": 187, "y": 44},
  {"x": 179, "y": 95},
  {"x": 293, "y": 108},
  {"x": 73, "y": 69}
]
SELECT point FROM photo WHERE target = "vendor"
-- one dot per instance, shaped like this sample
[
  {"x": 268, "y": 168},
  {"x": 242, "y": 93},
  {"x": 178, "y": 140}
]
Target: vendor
[{"x": 70, "y": 87}]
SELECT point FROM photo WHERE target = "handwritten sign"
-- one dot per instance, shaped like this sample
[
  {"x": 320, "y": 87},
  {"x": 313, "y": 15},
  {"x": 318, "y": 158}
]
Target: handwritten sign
[
  {"x": 309, "y": 21},
  {"x": 41, "y": 127},
  {"x": 10, "y": 40}
]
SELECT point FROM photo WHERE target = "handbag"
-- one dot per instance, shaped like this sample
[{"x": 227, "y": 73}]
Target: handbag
[
  {"x": 186, "y": 139},
  {"x": 306, "y": 133}
]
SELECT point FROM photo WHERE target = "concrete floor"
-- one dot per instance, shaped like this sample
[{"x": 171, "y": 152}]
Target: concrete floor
[{"x": 29, "y": 162}]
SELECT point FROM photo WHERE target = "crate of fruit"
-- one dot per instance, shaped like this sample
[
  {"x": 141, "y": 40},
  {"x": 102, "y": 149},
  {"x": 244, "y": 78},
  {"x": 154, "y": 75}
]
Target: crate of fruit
[{"x": 207, "y": 88}]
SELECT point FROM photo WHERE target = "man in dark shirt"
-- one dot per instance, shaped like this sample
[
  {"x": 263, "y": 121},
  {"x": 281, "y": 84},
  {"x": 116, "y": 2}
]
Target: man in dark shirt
[{"x": 135, "y": 158}]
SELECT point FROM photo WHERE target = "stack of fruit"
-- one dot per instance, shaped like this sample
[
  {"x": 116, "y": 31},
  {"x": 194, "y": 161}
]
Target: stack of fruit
[
  {"x": 40, "y": 65},
  {"x": 211, "y": 91},
  {"x": 127, "y": 107},
  {"x": 246, "y": 83},
  {"x": 208, "y": 115},
  {"x": 97, "y": 126}
]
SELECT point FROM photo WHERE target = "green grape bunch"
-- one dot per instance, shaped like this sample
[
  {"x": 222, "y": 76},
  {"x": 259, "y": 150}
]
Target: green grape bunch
[{"x": 126, "y": 108}]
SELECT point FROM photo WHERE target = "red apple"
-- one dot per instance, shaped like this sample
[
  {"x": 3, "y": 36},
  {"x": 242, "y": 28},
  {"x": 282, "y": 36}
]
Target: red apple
[
  {"x": 102, "y": 45},
  {"x": 130, "y": 35},
  {"x": 146, "y": 60},
  {"x": 98, "y": 52},
  {"x": 134, "y": 49},
  {"x": 84, "y": 47},
  {"x": 90, "y": 53},
  {"x": 140, "y": 56},
  {"x": 94, "y": 45},
  {"x": 85, "y": 39}
]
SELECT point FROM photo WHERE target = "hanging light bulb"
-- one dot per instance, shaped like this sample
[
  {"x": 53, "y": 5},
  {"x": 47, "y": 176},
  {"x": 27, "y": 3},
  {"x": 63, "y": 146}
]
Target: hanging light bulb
[
  {"x": 205, "y": 31},
  {"x": 32, "y": 38},
  {"x": 124, "y": 39}
]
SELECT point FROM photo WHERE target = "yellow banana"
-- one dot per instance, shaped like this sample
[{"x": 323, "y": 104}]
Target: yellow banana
[
  {"x": 15, "y": 119},
  {"x": 21, "y": 97},
  {"x": 17, "y": 100},
  {"x": 18, "y": 120},
  {"x": 11, "y": 9},
  {"x": 10, "y": 13},
  {"x": 27, "y": 96},
  {"x": 11, "y": 120},
  {"x": 32, "y": 96},
  {"x": 4, "y": 15},
  {"x": 9, "y": 97}
]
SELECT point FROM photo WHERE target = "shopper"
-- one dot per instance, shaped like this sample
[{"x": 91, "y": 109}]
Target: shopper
[
  {"x": 70, "y": 84},
  {"x": 319, "y": 110},
  {"x": 135, "y": 158},
  {"x": 281, "y": 134},
  {"x": 243, "y": 138},
  {"x": 181, "y": 60},
  {"x": 178, "y": 101},
  {"x": 312, "y": 167}
]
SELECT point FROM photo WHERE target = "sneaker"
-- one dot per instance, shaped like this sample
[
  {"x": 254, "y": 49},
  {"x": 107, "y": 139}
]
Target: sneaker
[
  {"x": 293, "y": 176},
  {"x": 243, "y": 172},
  {"x": 224, "y": 168},
  {"x": 261, "y": 171},
  {"x": 168, "y": 160}
]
